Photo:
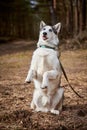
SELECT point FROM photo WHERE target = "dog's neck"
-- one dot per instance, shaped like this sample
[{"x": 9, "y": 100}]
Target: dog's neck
[{"x": 47, "y": 45}]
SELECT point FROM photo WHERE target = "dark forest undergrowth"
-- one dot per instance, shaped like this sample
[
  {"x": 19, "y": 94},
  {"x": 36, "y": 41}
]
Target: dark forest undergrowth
[{"x": 15, "y": 96}]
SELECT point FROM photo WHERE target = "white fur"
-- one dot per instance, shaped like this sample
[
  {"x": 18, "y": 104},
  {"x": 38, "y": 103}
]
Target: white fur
[{"x": 46, "y": 72}]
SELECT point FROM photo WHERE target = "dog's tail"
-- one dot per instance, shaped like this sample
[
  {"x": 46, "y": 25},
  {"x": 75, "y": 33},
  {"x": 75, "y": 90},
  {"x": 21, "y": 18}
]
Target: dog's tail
[{"x": 68, "y": 81}]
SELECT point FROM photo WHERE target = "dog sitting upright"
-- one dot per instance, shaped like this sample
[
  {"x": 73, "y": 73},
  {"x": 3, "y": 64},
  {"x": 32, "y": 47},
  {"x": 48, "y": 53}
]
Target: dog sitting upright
[{"x": 46, "y": 72}]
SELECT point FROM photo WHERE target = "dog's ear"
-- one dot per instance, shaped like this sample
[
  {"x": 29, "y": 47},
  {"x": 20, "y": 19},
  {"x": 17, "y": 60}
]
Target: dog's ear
[
  {"x": 42, "y": 24},
  {"x": 57, "y": 27}
]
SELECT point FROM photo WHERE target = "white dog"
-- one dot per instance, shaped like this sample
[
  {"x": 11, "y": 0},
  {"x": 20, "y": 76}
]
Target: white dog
[{"x": 46, "y": 72}]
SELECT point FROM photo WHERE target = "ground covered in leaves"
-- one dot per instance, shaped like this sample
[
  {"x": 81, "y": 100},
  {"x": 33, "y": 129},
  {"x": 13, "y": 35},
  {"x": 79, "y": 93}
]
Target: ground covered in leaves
[{"x": 15, "y": 96}]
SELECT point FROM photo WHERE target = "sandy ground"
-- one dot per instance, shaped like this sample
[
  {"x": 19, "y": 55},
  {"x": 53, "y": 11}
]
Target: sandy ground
[{"x": 15, "y": 96}]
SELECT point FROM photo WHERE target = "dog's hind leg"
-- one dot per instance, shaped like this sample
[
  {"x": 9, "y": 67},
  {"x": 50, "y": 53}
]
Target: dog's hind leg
[
  {"x": 42, "y": 110},
  {"x": 60, "y": 105},
  {"x": 55, "y": 111},
  {"x": 57, "y": 101}
]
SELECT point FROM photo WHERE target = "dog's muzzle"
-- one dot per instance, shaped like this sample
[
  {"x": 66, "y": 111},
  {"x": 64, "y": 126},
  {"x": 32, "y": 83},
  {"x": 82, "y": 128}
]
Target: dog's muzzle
[{"x": 44, "y": 36}]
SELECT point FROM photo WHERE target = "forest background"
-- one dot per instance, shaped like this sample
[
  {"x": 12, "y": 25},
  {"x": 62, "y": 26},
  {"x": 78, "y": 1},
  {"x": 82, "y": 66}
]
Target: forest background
[{"x": 21, "y": 18}]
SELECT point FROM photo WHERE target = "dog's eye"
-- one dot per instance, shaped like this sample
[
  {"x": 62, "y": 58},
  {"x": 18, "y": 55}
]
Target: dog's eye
[
  {"x": 44, "y": 28},
  {"x": 50, "y": 30}
]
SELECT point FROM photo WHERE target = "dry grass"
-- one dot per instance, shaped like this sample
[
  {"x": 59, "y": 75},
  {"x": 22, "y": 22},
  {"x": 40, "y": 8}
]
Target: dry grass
[{"x": 15, "y": 96}]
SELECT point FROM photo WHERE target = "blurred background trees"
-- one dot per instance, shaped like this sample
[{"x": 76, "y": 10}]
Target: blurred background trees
[{"x": 21, "y": 18}]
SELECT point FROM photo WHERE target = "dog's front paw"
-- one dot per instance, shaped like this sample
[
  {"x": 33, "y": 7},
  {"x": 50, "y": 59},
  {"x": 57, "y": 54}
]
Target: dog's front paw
[
  {"x": 54, "y": 111},
  {"x": 27, "y": 81},
  {"x": 44, "y": 85}
]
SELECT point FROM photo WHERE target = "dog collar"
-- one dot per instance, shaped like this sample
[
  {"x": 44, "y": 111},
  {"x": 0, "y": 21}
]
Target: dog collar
[{"x": 45, "y": 46}]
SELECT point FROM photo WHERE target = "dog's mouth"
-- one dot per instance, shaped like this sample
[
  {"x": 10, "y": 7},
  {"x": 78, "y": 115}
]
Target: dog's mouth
[{"x": 44, "y": 37}]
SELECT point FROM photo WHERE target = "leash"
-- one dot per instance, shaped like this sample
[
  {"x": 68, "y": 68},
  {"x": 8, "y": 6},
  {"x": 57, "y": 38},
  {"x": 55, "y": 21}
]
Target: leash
[{"x": 68, "y": 81}]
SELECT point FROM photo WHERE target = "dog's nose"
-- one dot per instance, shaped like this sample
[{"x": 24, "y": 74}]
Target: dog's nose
[{"x": 44, "y": 33}]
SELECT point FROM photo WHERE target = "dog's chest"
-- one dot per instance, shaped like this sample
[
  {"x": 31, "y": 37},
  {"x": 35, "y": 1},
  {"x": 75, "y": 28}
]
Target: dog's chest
[
  {"x": 44, "y": 60},
  {"x": 44, "y": 64}
]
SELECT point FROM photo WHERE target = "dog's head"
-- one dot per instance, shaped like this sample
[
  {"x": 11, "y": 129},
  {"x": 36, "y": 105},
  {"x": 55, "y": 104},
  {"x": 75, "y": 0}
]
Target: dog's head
[{"x": 49, "y": 34}]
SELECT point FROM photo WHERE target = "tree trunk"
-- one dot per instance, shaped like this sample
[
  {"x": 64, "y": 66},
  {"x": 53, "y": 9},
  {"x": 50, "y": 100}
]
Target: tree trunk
[
  {"x": 76, "y": 17},
  {"x": 84, "y": 14},
  {"x": 53, "y": 11},
  {"x": 71, "y": 17},
  {"x": 80, "y": 15},
  {"x": 65, "y": 13}
]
